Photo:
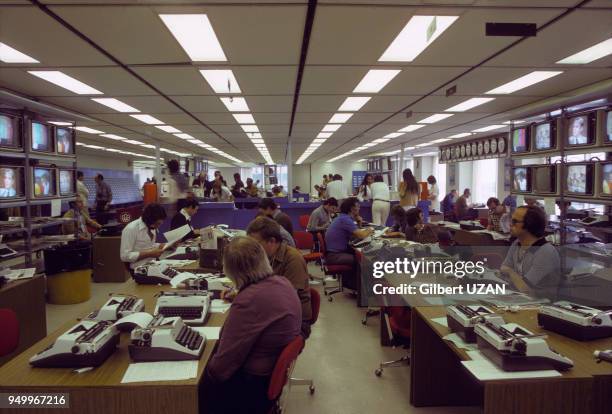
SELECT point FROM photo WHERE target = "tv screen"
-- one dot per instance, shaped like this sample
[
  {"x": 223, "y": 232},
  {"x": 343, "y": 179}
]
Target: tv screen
[
  {"x": 9, "y": 134},
  {"x": 580, "y": 179},
  {"x": 521, "y": 182},
  {"x": 606, "y": 180},
  {"x": 608, "y": 137},
  {"x": 63, "y": 141},
  {"x": 41, "y": 139},
  {"x": 66, "y": 182},
  {"x": 545, "y": 179},
  {"x": 11, "y": 182},
  {"x": 580, "y": 130},
  {"x": 520, "y": 140},
  {"x": 44, "y": 182},
  {"x": 545, "y": 136}
]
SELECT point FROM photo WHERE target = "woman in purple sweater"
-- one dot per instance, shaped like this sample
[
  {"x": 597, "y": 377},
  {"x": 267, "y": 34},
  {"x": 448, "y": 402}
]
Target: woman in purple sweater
[{"x": 264, "y": 317}]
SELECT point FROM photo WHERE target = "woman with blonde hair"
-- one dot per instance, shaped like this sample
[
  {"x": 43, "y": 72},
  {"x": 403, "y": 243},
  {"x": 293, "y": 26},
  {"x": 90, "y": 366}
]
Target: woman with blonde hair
[{"x": 409, "y": 190}]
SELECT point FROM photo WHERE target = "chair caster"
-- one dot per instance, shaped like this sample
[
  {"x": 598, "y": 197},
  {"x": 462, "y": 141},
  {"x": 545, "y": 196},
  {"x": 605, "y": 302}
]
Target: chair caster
[
  {"x": 378, "y": 372},
  {"x": 330, "y": 299},
  {"x": 311, "y": 389},
  {"x": 364, "y": 321},
  {"x": 325, "y": 292}
]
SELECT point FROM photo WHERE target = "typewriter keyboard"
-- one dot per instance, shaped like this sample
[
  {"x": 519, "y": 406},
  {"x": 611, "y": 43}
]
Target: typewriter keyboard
[
  {"x": 185, "y": 312},
  {"x": 170, "y": 272},
  {"x": 189, "y": 338}
]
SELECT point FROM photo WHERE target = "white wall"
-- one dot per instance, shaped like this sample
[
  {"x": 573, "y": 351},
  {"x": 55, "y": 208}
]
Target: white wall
[
  {"x": 424, "y": 169},
  {"x": 344, "y": 168},
  {"x": 103, "y": 161},
  {"x": 301, "y": 177}
]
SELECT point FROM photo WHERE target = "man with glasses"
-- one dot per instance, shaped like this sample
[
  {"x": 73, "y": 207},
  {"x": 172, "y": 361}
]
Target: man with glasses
[{"x": 532, "y": 264}]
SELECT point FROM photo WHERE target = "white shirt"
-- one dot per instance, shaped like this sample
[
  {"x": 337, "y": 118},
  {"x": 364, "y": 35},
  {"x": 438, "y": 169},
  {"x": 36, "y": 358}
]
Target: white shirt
[
  {"x": 368, "y": 193},
  {"x": 379, "y": 191},
  {"x": 83, "y": 192},
  {"x": 226, "y": 194},
  {"x": 135, "y": 239},
  {"x": 434, "y": 192},
  {"x": 336, "y": 189}
]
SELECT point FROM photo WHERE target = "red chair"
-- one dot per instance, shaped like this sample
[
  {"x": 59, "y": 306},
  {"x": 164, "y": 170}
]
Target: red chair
[
  {"x": 9, "y": 326},
  {"x": 315, "y": 303},
  {"x": 303, "y": 241},
  {"x": 303, "y": 220},
  {"x": 398, "y": 322},
  {"x": 331, "y": 270},
  {"x": 282, "y": 372}
]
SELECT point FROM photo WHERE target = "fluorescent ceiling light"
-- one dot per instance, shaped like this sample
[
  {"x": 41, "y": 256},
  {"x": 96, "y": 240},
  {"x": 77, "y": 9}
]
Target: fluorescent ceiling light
[
  {"x": 196, "y": 36},
  {"x": 254, "y": 135},
  {"x": 10, "y": 55},
  {"x": 434, "y": 118},
  {"x": 133, "y": 141},
  {"x": 88, "y": 130},
  {"x": 257, "y": 141},
  {"x": 113, "y": 136},
  {"x": 330, "y": 128},
  {"x": 415, "y": 37},
  {"x": 524, "y": 81},
  {"x": 204, "y": 145},
  {"x": 195, "y": 141},
  {"x": 394, "y": 135},
  {"x": 489, "y": 128},
  {"x": 437, "y": 141},
  {"x": 147, "y": 119},
  {"x": 115, "y": 104},
  {"x": 375, "y": 80},
  {"x": 461, "y": 135},
  {"x": 319, "y": 140},
  {"x": 168, "y": 128},
  {"x": 236, "y": 104},
  {"x": 354, "y": 103},
  {"x": 221, "y": 80},
  {"x": 184, "y": 136},
  {"x": 249, "y": 128},
  {"x": 60, "y": 123},
  {"x": 589, "y": 55},
  {"x": 148, "y": 146},
  {"x": 324, "y": 134},
  {"x": 244, "y": 118},
  {"x": 67, "y": 82},
  {"x": 380, "y": 140},
  {"x": 369, "y": 144},
  {"x": 519, "y": 121},
  {"x": 422, "y": 145},
  {"x": 469, "y": 104},
  {"x": 340, "y": 118},
  {"x": 410, "y": 128}
]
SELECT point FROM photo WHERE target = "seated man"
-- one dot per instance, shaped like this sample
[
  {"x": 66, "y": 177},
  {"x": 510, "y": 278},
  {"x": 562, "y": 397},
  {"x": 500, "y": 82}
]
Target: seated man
[
  {"x": 321, "y": 216},
  {"x": 138, "y": 244},
  {"x": 286, "y": 261},
  {"x": 463, "y": 210},
  {"x": 532, "y": 264},
  {"x": 339, "y": 234},
  {"x": 398, "y": 230},
  {"x": 268, "y": 207},
  {"x": 496, "y": 211},
  {"x": 183, "y": 217},
  {"x": 415, "y": 230},
  {"x": 80, "y": 213}
]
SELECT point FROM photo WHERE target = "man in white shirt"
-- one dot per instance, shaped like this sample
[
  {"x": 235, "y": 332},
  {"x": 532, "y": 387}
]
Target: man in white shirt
[
  {"x": 335, "y": 189},
  {"x": 138, "y": 244},
  {"x": 81, "y": 189},
  {"x": 380, "y": 201}
]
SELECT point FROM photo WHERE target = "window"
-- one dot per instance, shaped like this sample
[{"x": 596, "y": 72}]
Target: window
[{"x": 484, "y": 180}]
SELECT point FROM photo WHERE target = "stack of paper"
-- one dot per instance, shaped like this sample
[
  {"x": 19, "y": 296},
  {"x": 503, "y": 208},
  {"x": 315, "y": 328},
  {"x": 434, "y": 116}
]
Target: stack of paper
[
  {"x": 160, "y": 371},
  {"x": 485, "y": 370},
  {"x": 219, "y": 306}
]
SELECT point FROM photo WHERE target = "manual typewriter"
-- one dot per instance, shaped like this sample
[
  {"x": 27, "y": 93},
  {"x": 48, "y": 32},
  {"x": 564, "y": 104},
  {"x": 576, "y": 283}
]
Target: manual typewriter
[
  {"x": 576, "y": 321},
  {"x": 470, "y": 225},
  {"x": 182, "y": 253},
  {"x": 462, "y": 319},
  {"x": 514, "y": 348},
  {"x": 87, "y": 344},
  {"x": 116, "y": 307},
  {"x": 154, "y": 273},
  {"x": 166, "y": 339},
  {"x": 191, "y": 305}
]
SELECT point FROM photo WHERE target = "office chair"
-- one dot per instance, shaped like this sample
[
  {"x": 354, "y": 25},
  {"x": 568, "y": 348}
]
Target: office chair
[
  {"x": 398, "y": 323},
  {"x": 315, "y": 303},
  {"x": 370, "y": 311},
  {"x": 331, "y": 270},
  {"x": 303, "y": 241},
  {"x": 303, "y": 220},
  {"x": 9, "y": 326},
  {"x": 282, "y": 372}
]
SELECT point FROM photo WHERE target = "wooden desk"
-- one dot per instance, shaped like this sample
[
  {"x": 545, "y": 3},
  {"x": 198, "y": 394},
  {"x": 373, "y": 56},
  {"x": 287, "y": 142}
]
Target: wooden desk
[
  {"x": 27, "y": 298},
  {"x": 438, "y": 378},
  {"x": 100, "y": 390}
]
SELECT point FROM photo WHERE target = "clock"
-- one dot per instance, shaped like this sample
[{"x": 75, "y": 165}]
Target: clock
[
  {"x": 440, "y": 154},
  {"x": 480, "y": 148},
  {"x": 493, "y": 146},
  {"x": 486, "y": 147},
  {"x": 457, "y": 152},
  {"x": 448, "y": 153},
  {"x": 463, "y": 150},
  {"x": 468, "y": 150},
  {"x": 501, "y": 145},
  {"x": 473, "y": 149}
]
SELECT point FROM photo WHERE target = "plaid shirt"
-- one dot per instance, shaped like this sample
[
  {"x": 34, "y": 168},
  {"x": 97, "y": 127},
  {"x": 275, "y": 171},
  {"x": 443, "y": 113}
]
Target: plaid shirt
[
  {"x": 103, "y": 192},
  {"x": 495, "y": 220}
]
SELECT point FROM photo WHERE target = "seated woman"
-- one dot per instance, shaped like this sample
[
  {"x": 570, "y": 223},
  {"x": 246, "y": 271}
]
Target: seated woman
[
  {"x": 83, "y": 222},
  {"x": 265, "y": 316},
  {"x": 398, "y": 214},
  {"x": 415, "y": 230}
]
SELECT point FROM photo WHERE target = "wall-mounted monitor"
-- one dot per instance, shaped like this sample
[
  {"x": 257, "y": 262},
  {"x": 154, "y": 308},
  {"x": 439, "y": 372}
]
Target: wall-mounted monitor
[
  {"x": 520, "y": 140},
  {"x": 604, "y": 179},
  {"x": 42, "y": 140},
  {"x": 44, "y": 182},
  {"x": 66, "y": 182},
  {"x": 9, "y": 132},
  {"x": 545, "y": 134},
  {"x": 544, "y": 179},
  {"x": 521, "y": 179},
  {"x": 607, "y": 127},
  {"x": 581, "y": 130},
  {"x": 11, "y": 182},
  {"x": 64, "y": 141},
  {"x": 579, "y": 179}
]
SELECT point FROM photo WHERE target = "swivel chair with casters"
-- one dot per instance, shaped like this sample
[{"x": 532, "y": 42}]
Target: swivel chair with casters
[
  {"x": 315, "y": 302},
  {"x": 331, "y": 270},
  {"x": 398, "y": 322}
]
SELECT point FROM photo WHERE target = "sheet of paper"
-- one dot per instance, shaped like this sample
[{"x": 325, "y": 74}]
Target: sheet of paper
[
  {"x": 485, "y": 370},
  {"x": 209, "y": 238},
  {"x": 175, "y": 262},
  {"x": 142, "y": 319},
  {"x": 173, "y": 236},
  {"x": 180, "y": 278},
  {"x": 439, "y": 301},
  {"x": 160, "y": 371},
  {"x": 459, "y": 342},
  {"x": 219, "y": 306},
  {"x": 18, "y": 274},
  {"x": 442, "y": 321},
  {"x": 211, "y": 332},
  {"x": 56, "y": 207}
]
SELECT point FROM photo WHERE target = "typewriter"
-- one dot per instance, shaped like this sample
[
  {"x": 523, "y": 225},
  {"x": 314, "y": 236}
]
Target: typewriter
[
  {"x": 514, "y": 348},
  {"x": 116, "y": 307},
  {"x": 154, "y": 273},
  {"x": 182, "y": 253},
  {"x": 470, "y": 225},
  {"x": 462, "y": 319},
  {"x": 166, "y": 339},
  {"x": 87, "y": 344},
  {"x": 576, "y": 321},
  {"x": 191, "y": 305}
]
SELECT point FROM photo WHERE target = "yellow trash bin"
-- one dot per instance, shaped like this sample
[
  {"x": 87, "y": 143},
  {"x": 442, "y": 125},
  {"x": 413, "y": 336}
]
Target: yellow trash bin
[{"x": 67, "y": 288}]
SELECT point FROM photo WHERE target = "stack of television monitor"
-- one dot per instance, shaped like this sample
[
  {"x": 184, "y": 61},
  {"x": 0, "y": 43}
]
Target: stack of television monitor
[
  {"x": 46, "y": 182},
  {"x": 579, "y": 130},
  {"x": 45, "y": 138},
  {"x": 586, "y": 179}
]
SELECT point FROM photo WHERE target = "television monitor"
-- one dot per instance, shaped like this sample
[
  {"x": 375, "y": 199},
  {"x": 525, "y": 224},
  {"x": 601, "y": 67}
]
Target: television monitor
[
  {"x": 44, "y": 182},
  {"x": 545, "y": 136},
  {"x": 520, "y": 140},
  {"x": 64, "y": 142},
  {"x": 545, "y": 179},
  {"x": 521, "y": 179},
  {"x": 9, "y": 131},
  {"x": 608, "y": 129},
  {"x": 581, "y": 130},
  {"x": 66, "y": 182},
  {"x": 579, "y": 179},
  {"x": 11, "y": 182},
  {"x": 606, "y": 179},
  {"x": 41, "y": 137}
]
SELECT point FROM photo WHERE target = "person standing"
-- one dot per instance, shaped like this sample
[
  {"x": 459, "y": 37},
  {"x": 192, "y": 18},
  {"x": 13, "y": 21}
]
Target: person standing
[
  {"x": 434, "y": 193},
  {"x": 335, "y": 189},
  {"x": 82, "y": 190},
  {"x": 364, "y": 193},
  {"x": 380, "y": 201},
  {"x": 104, "y": 197},
  {"x": 178, "y": 185},
  {"x": 409, "y": 190}
]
